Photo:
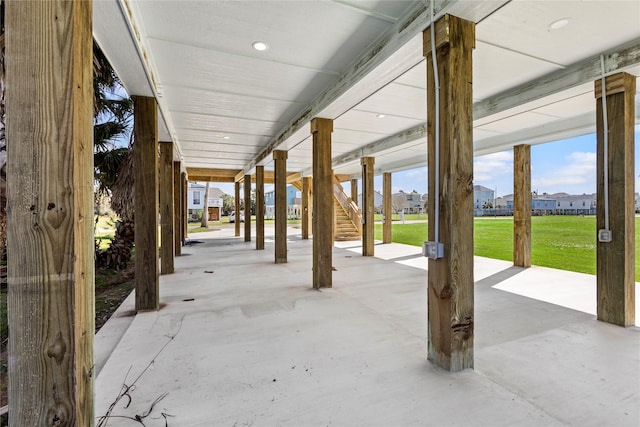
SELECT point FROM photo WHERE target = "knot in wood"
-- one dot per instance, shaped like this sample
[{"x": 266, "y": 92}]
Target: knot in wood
[
  {"x": 57, "y": 349},
  {"x": 446, "y": 293}
]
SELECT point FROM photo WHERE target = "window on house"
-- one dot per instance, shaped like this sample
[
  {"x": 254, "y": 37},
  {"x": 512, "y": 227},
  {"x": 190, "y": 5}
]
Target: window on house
[
  {"x": 583, "y": 204},
  {"x": 570, "y": 203},
  {"x": 196, "y": 197}
]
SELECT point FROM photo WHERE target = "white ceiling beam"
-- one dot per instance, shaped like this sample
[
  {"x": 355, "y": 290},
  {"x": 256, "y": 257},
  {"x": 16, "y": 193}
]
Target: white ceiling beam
[
  {"x": 589, "y": 70},
  {"x": 394, "y": 43}
]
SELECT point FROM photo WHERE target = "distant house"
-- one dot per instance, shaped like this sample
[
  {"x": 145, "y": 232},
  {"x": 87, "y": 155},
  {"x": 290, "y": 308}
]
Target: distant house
[
  {"x": 569, "y": 204},
  {"x": 195, "y": 202},
  {"x": 294, "y": 203},
  {"x": 409, "y": 202},
  {"x": 540, "y": 204},
  {"x": 483, "y": 197}
]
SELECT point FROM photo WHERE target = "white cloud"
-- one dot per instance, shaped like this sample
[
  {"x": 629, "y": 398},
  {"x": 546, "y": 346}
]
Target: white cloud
[
  {"x": 492, "y": 166},
  {"x": 578, "y": 170}
]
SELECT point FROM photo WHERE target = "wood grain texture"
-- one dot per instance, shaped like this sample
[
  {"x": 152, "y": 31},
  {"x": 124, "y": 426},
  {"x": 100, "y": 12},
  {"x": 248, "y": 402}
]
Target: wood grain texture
[
  {"x": 323, "y": 210},
  {"x": 166, "y": 208},
  {"x": 386, "y": 207},
  {"x": 368, "y": 230},
  {"x": 280, "y": 186},
  {"x": 237, "y": 208},
  {"x": 615, "y": 263},
  {"x": 522, "y": 206},
  {"x": 260, "y": 207},
  {"x": 354, "y": 191},
  {"x": 247, "y": 208},
  {"x": 307, "y": 206},
  {"x": 50, "y": 212},
  {"x": 450, "y": 279},
  {"x": 177, "y": 210},
  {"x": 145, "y": 166}
]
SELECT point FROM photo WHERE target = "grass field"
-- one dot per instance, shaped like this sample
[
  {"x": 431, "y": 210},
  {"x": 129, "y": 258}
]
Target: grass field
[{"x": 563, "y": 242}]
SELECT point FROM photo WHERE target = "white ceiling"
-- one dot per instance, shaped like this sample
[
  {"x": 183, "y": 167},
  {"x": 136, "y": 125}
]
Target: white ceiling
[{"x": 226, "y": 105}]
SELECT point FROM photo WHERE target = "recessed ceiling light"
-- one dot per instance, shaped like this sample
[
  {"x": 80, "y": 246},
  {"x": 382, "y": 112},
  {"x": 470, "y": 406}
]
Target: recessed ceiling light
[
  {"x": 560, "y": 23},
  {"x": 380, "y": 116},
  {"x": 226, "y": 137},
  {"x": 261, "y": 46}
]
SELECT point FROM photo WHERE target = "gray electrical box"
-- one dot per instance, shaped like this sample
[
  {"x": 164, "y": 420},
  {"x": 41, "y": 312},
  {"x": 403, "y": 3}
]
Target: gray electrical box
[
  {"x": 433, "y": 250},
  {"x": 604, "y": 235}
]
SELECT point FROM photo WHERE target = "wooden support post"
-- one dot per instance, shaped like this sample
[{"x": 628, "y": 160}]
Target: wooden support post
[
  {"x": 323, "y": 208},
  {"x": 368, "y": 243},
  {"x": 354, "y": 191},
  {"x": 386, "y": 208},
  {"x": 145, "y": 166},
  {"x": 259, "y": 207},
  {"x": 166, "y": 208},
  {"x": 450, "y": 278},
  {"x": 50, "y": 215},
  {"x": 280, "y": 184},
  {"x": 237, "y": 207},
  {"x": 247, "y": 208},
  {"x": 185, "y": 208},
  {"x": 616, "y": 259},
  {"x": 307, "y": 206},
  {"x": 177, "y": 210},
  {"x": 522, "y": 206}
]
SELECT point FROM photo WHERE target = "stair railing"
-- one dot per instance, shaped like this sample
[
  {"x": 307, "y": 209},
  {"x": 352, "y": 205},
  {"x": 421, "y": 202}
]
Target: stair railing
[{"x": 347, "y": 204}]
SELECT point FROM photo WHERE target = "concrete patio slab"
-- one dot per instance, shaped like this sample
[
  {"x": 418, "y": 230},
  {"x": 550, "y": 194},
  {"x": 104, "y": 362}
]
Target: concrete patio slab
[{"x": 240, "y": 340}]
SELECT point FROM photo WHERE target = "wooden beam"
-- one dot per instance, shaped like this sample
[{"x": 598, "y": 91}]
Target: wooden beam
[
  {"x": 166, "y": 208},
  {"x": 212, "y": 174},
  {"x": 280, "y": 160},
  {"x": 619, "y": 59},
  {"x": 237, "y": 208},
  {"x": 307, "y": 206},
  {"x": 354, "y": 191},
  {"x": 386, "y": 208},
  {"x": 145, "y": 166},
  {"x": 522, "y": 206},
  {"x": 323, "y": 208},
  {"x": 177, "y": 210},
  {"x": 259, "y": 207},
  {"x": 450, "y": 278},
  {"x": 368, "y": 229},
  {"x": 615, "y": 263},
  {"x": 247, "y": 208},
  {"x": 50, "y": 215}
]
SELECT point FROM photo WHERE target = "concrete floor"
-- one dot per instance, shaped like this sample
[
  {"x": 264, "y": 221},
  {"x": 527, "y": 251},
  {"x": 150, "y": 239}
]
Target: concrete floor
[{"x": 241, "y": 341}]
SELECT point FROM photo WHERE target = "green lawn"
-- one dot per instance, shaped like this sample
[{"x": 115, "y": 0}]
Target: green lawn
[{"x": 563, "y": 242}]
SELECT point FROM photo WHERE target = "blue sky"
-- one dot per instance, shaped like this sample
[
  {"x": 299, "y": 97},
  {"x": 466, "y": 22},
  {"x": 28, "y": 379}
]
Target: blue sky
[{"x": 563, "y": 166}]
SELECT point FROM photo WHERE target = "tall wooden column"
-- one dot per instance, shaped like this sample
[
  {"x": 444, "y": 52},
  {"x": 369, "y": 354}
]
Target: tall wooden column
[
  {"x": 307, "y": 206},
  {"x": 386, "y": 207},
  {"x": 323, "y": 208},
  {"x": 177, "y": 210},
  {"x": 616, "y": 259},
  {"x": 354, "y": 191},
  {"x": 145, "y": 166},
  {"x": 522, "y": 206},
  {"x": 450, "y": 278},
  {"x": 368, "y": 228},
  {"x": 50, "y": 212},
  {"x": 259, "y": 207},
  {"x": 247, "y": 208},
  {"x": 185, "y": 208},
  {"x": 237, "y": 208},
  {"x": 166, "y": 208},
  {"x": 280, "y": 184}
]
